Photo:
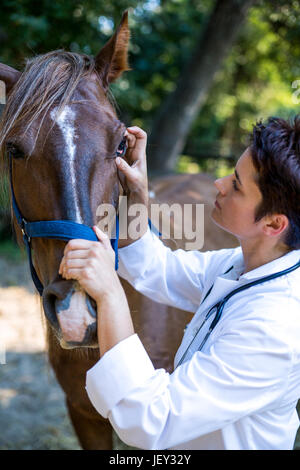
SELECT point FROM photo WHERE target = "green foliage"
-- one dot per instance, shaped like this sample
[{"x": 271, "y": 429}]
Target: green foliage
[
  {"x": 255, "y": 82},
  {"x": 163, "y": 36},
  {"x": 217, "y": 167},
  {"x": 30, "y": 27},
  {"x": 10, "y": 251}
]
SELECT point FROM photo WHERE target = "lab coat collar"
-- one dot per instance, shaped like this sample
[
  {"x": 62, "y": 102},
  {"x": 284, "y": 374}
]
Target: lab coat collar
[{"x": 279, "y": 264}]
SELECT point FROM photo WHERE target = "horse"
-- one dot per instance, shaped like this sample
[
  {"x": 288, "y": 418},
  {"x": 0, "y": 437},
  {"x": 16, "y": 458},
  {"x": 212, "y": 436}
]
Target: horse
[{"x": 61, "y": 129}]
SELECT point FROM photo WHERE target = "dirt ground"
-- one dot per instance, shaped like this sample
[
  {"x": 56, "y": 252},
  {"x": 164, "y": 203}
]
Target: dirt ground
[{"x": 32, "y": 409}]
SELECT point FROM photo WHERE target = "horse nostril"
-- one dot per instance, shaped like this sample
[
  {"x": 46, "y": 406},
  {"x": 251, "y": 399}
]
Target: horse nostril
[
  {"x": 76, "y": 316},
  {"x": 72, "y": 313},
  {"x": 49, "y": 301},
  {"x": 91, "y": 305},
  {"x": 52, "y": 292}
]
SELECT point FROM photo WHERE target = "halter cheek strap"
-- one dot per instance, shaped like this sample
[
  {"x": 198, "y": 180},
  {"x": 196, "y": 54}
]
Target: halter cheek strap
[{"x": 64, "y": 230}]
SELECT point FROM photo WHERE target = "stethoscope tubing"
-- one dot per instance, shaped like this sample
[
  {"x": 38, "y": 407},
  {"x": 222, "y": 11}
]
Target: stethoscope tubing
[{"x": 220, "y": 305}]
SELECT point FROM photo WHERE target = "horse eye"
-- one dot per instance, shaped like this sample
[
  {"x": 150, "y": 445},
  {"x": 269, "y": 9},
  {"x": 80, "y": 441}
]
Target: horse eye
[
  {"x": 122, "y": 148},
  {"x": 14, "y": 151}
]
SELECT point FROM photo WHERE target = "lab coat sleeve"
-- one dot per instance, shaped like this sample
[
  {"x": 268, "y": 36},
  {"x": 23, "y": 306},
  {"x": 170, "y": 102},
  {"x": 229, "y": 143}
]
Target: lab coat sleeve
[
  {"x": 245, "y": 371},
  {"x": 174, "y": 278}
]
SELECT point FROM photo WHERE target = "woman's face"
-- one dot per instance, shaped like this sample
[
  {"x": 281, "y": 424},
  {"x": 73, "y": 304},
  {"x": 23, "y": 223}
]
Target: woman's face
[{"x": 238, "y": 198}]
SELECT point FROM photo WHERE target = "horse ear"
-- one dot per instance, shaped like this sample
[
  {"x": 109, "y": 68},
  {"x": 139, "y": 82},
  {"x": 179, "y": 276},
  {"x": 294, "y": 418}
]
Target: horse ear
[
  {"x": 112, "y": 60},
  {"x": 9, "y": 76}
]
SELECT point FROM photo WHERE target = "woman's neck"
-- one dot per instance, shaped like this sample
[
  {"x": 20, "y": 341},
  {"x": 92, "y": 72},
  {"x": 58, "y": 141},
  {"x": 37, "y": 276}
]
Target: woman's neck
[{"x": 257, "y": 254}]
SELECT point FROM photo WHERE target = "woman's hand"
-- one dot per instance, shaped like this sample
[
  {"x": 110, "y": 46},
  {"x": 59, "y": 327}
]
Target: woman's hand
[
  {"x": 92, "y": 264},
  {"x": 133, "y": 174}
]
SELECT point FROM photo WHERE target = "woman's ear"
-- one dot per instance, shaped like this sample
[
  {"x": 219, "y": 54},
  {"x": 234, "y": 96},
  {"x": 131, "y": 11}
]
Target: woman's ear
[{"x": 112, "y": 60}]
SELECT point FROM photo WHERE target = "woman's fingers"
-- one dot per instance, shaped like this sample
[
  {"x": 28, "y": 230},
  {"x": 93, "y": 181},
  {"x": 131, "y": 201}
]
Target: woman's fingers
[
  {"x": 105, "y": 241},
  {"x": 77, "y": 251},
  {"x": 77, "y": 244},
  {"x": 131, "y": 139},
  {"x": 73, "y": 263},
  {"x": 126, "y": 169},
  {"x": 68, "y": 263},
  {"x": 102, "y": 236},
  {"x": 73, "y": 273},
  {"x": 77, "y": 254},
  {"x": 136, "y": 170},
  {"x": 141, "y": 137}
]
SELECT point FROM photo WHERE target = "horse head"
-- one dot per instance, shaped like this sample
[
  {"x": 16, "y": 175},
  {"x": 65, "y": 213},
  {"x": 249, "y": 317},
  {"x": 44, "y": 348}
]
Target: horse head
[{"x": 62, "y": 133}]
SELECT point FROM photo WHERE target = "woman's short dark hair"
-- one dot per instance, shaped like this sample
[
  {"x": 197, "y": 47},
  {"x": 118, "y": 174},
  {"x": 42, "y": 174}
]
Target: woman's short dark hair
[{"x": 275, "y": 151}]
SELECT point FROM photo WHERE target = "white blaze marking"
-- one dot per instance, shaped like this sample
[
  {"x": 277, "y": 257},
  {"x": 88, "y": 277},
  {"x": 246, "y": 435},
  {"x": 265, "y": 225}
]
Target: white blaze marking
[{"x": 65, "y": 122}]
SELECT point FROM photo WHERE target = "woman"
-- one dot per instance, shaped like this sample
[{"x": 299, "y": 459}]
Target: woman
[{"x": 237, "y": 386}]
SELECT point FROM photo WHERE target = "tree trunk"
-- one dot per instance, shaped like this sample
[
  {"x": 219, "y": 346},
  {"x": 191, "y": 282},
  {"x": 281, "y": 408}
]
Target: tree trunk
[{"x": 173, "y": 122}]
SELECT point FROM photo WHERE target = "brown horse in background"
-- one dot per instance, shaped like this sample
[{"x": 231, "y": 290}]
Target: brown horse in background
[{"x": 62, "y": 130}]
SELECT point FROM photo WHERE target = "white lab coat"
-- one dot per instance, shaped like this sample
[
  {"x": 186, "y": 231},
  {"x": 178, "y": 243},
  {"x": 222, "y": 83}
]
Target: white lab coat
[{"x": 240, "y": 391}]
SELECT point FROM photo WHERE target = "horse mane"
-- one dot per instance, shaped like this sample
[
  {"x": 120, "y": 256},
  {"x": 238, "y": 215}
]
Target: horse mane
[{"x": 47, "y": 79}]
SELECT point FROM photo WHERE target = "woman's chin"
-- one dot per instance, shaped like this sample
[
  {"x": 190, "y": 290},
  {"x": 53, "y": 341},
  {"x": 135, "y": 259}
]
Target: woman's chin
[{"x": 215, "y": 217}]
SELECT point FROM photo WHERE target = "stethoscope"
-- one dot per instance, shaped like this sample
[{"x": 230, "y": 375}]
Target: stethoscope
[{"x": 221, "y": 304}]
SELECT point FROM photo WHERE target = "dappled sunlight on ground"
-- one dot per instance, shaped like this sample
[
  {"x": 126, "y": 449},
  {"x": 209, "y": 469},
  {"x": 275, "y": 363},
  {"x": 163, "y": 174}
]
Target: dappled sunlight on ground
[{"x": 32, "y": 408}]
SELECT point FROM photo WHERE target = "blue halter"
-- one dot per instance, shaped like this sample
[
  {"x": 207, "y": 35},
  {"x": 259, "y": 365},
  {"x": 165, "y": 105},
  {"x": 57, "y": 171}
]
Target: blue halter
[
  {"x": 59, "y": 229},
  {"x": 55, "y": 229}
]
